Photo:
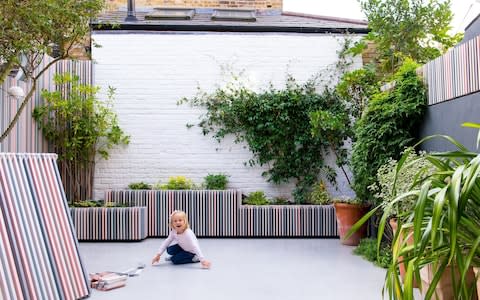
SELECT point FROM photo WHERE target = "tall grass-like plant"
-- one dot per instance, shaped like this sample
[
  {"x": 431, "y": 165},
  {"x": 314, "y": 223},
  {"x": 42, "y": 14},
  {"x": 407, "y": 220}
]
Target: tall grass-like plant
[{"x": 445, "y": 224}]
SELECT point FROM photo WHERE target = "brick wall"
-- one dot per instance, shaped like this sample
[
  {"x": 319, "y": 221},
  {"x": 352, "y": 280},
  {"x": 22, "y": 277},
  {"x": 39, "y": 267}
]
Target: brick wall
[
  {"x": 151, "y": 72},
  {"x": 257, "y": 4}
]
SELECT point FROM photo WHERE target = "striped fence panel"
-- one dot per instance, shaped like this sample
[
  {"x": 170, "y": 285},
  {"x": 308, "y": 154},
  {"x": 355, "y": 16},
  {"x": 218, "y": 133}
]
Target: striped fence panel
[
  {"x": 110, "y": 223},
  {"x": 454, "y": 74},
  {"x": 37, "y": 232},
  {"x": 25, "y": 136},
  {"x": 211, "y": 213},
  {"x": 221, "y": 214}
]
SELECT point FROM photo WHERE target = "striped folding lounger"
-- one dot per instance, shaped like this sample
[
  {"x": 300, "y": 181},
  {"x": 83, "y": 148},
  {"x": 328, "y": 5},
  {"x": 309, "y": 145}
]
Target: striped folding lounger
[{"x": 39, "y": 256}]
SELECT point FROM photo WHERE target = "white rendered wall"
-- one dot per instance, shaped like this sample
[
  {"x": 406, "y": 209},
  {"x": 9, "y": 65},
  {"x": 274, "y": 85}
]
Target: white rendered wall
[{"x": 151, "y": 72}]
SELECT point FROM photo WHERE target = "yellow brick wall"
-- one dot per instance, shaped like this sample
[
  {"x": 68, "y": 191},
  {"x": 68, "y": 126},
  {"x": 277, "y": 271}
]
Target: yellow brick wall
[{"x": 257, "y": 4}]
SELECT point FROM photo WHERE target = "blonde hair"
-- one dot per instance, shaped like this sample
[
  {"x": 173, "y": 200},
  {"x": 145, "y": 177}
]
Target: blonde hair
[{"x": 182, "y": 214}]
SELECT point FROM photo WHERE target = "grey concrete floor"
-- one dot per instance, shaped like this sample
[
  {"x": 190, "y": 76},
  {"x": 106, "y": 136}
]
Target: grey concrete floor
[{"x": 266, "y": 269}]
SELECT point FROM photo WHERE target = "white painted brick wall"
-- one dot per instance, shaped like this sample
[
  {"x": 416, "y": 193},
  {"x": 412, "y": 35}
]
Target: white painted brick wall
[{"x": 151, "y": 72}]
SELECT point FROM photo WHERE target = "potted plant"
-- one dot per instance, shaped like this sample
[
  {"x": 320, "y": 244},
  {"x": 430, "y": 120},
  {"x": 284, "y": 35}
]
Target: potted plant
[
  {"x": 391, "y": 183},
  {"x": 349, "y": 212},
  {"x": 445, "y": 227}
]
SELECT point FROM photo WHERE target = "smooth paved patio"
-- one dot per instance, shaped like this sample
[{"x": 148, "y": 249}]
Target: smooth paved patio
[{"x": 266, "y": 269}]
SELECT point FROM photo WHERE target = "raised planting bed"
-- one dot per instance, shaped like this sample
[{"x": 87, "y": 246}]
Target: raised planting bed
[
  {"x": 221, "y": 214},
  {"x": 210, "y": 213},
  {"x": 287, "y": 221},
  {"x": 110, "y": 223}
]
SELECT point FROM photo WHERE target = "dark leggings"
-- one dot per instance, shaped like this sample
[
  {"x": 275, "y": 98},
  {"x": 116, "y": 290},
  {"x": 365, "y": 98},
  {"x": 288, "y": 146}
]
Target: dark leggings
[{"x": 180, "y": 256}]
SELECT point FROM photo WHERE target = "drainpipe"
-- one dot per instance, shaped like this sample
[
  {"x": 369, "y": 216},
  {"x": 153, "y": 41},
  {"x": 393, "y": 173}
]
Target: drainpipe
[{"x": 131, "y": 11}]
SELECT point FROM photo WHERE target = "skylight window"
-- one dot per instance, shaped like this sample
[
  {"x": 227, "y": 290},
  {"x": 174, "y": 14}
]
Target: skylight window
[
  {"x": 171, "y": 14},
  {"x": 234, "y": 15}
]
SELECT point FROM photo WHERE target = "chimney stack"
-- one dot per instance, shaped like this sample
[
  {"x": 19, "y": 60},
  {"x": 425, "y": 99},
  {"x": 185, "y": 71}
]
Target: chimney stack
[{"x": 131, "y": 11}]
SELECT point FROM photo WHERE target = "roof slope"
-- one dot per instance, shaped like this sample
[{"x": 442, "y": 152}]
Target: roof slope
[{"x": 286, "y": 22}]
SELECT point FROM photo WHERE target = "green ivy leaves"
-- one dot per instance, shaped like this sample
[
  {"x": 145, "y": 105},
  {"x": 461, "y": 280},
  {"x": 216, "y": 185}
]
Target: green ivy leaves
[{"x": 275, "y": 124}]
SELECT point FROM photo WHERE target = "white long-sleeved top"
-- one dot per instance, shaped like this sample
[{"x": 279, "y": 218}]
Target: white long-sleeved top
[{"x": 187, "y": 240}]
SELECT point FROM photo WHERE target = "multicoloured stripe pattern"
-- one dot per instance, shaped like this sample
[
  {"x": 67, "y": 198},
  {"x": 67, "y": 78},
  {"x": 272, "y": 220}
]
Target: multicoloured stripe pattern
[
  {"x": 39, "y": 257},
  {"x": 210, "y": 212},
  {"x": 110, "y": 223},
  {"x": 221, "y": 214},
  {"x": 454, "y": 74},
  {"x": 287, "y": 221},
  {"x": 25, "y": 136}
]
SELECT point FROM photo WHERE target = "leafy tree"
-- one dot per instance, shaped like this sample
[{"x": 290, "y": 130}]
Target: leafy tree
[
  {"x": 417, "y": 29},
  {"x": 78, "y": 126},
  {"x": 33, "y": 28}
]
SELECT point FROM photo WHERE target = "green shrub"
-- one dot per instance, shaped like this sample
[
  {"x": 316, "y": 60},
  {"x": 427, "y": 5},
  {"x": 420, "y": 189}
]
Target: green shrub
[
  {"x": 319, "y": 194},
  {"x": 216, "y": 181},
  {"x": 281, "y": 201},
  {"x": 178, "y": 183},
  {"x": 387, "y": 127},
  {"x": 139, "y": 186},
  {"x": 87, "y": 203},
  {"x": 368, "y": 249},
  {"x": 415, "y": 168},
  {"x": 256, "y": 198},
  {"x": 92, "y": 203}
]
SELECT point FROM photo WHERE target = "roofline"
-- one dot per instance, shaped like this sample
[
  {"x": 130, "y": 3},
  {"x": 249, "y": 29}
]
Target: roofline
[
  {"x": 326, "y": 18},
  {"x": 471, "y": 23},
  {"x": 222, "y": 28}
]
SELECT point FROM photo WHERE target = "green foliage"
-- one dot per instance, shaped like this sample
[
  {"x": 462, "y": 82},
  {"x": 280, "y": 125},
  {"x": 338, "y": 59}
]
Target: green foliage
[
  {"x": 387, "y": 127},
  {"x": 281, "y": 201},
  {"x": 356, "y": 87},
  {"x": 256, "y": 198},
  {"x": 391, "y": 183},
  {"x": 87, "y": 203},
  {"x": 368, "y": 249},
  {"x": 78, "y": 125},
  {"x": 216, "y": 181},
  {"x": 139, "y": 186},
  {"x": 91, "y": 203},
  {"x": 416, "y": 29},
  {"x": 178, "y": 183},
  {"x": 33, "y": 27},
  {"x": 273, "y": 124},
  {"x": 319, "y": 194},
  {"x": 445, "y": 225}
]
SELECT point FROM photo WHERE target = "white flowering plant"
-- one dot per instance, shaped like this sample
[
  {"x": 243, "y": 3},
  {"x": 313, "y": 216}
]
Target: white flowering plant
[{"x": 415, "y": 168}]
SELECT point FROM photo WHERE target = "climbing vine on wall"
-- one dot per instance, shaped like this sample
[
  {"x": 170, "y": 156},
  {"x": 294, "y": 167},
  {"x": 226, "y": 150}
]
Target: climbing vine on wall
[{"x": 275, "y": 125}]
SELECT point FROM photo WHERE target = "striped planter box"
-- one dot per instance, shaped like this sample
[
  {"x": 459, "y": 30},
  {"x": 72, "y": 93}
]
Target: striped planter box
[
  {"x": 39, "y": 256},
  {"x": 110, "y": 223},
  {"x": 287, "y": 221},
  {"x": 210, "y": 213},
  {"x": 221, "y": 214}
]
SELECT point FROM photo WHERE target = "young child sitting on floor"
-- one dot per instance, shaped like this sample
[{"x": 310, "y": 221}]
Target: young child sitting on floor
[{"x": 181, "y": 243}]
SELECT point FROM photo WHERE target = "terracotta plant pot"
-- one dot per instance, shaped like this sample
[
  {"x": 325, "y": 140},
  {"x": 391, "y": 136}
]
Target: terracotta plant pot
[
  {"x": 444, "y": 289},
  {"x": 347, "y": 215},
  {"x": 476, "y": 271}
]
